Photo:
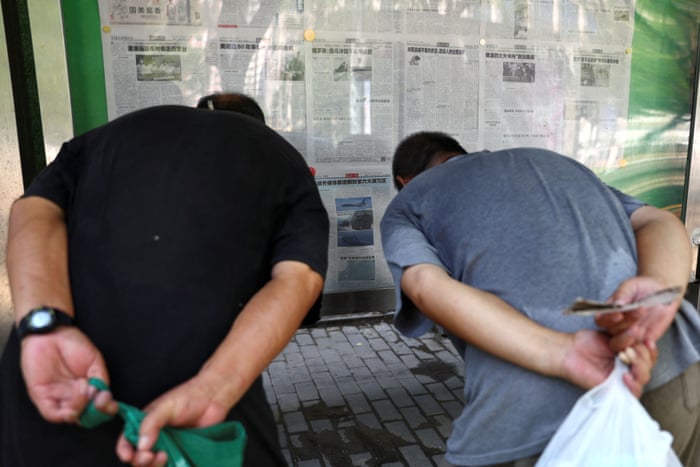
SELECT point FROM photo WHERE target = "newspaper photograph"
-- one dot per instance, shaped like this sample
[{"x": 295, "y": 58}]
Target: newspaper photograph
[{"x": 355, "y": 205}]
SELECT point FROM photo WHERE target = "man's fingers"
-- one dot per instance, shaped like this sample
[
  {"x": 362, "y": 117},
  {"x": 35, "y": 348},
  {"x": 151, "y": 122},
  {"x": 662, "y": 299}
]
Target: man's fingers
[
  {"x": 61, "y": 402},
  {"x": 104, "y": 402},
  {"x": 157, "y": 416},
  {"x": 641, "y": 359}
]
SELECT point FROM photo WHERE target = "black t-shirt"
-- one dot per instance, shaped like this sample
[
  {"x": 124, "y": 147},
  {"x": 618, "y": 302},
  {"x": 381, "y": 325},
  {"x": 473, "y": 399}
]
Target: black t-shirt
[{"x": 175, "y": 218}]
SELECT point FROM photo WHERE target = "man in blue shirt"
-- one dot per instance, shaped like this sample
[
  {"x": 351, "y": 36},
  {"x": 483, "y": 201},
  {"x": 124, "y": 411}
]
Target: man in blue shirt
[{"x": 493, "y": 246}]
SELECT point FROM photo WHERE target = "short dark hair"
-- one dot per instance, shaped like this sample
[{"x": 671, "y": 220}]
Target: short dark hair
[
  {"x": 234, "y": 102},
  {"x": 415, "y": 153}
]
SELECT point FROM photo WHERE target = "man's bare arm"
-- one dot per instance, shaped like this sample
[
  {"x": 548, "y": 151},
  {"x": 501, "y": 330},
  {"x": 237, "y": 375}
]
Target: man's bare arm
[
  {"x": 37, "y": 256},
  {"x": 664, "y": 259},
  {"x": 487, "y": 322},
  {"x": 259, "y": 333}
]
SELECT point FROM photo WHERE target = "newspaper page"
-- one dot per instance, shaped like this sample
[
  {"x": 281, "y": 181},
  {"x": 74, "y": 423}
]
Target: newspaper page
[
  {"x": 599, "y": 22},
  {"x": 526, "y": 20},
  {"x": 284, "y": 14},
  {"x": 273, "y": 72},
  {"x": 459, "y": 17},
  {"x": 352, "y": 108},
  {"x": 146, "y": 69},
  {"x": 355, "y": 205},
  {"x": 366, "y": 16},
  {"x": 523, "y": 96},
  {"x": 441, "y": 91},
  {"x": 596, "y": 104}
]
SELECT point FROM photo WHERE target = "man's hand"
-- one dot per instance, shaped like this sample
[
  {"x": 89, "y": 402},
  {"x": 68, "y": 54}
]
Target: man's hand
[
  {"x": 589, "y": 361},
  {"x": 195, "y": 403},
  {"x": 640, "y": 325},
  {"x": 56, "y": 369}
]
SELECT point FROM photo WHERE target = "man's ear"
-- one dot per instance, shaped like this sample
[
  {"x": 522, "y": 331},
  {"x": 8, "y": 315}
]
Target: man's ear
[{"x": 403, "y": 180}]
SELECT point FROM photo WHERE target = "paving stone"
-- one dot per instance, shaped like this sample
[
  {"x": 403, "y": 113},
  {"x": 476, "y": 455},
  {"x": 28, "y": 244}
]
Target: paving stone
[
  {"x": 386, "y": 410},
  {"x": 455, "y": 383},
  {"x": 399, "y": 396},
  {"x": 303, "y": 338},
  {"x": 388, "y": 356},
  {"x": 306, "y": 391},
  {"x": 443, "y": 425},
  {"x": 330, "y": 356},
  {"x": 310, "y": 351},
  {"x": 453, "y": 408},
  {"x": 294, "y": 359},
  {"x": 321, "y": 425},
  {"x": 316, "y": 364},
  {"x": 376, "y": 366},
  {"x": 428, "y": 404},
  {"x": 370, "y": 420},
  {"x": 413, "y": 416},
  {"x": 361, "y": 460},
  {"x": 288, "y": 402},
  {"x": 358, "y": 403},
  {"x": 413, "y": 386},
  {"x": 379, "y": 344},
  {"x": 387, "y": 381},
  {"x": 431, "y": 439},
  {"x": 309, "y": 463},
  {"x": 318, "y": 332},
  {"x": 347, "y": 385},
  {"x": 339, "y": 370},
  {"x": 322, "y": 379},
  {"x": 400, "y": 429},
  {"x": 372, "y": 390},
  {"x": 440, "y": 392},
  {"x": 414, "y": 456},
  {"x": 331, "y": 396},
  {"x": 410, "y": 360},
  {"x": 299, "y": 375},
  {"x": 295, "y": 422}
]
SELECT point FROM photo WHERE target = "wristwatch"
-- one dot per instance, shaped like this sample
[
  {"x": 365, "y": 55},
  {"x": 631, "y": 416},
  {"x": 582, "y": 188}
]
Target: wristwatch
[{"x": 43, "y": 320}]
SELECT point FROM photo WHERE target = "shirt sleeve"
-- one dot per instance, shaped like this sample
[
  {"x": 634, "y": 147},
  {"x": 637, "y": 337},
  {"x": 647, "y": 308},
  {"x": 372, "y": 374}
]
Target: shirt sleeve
[
  {"x": 405, "y": 245},
  {"x": 303, "y": 233},
  {"x": 629, "y": 203},
  {"x": 57, "y": 182}
]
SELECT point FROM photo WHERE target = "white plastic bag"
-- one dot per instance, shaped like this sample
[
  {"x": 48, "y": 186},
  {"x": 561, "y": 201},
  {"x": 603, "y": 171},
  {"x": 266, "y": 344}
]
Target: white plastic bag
[{"x": 609, "y": 427}]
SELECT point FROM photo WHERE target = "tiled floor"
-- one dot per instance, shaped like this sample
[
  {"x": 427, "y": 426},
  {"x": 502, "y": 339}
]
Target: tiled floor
[{"x": 362, "y": 394}]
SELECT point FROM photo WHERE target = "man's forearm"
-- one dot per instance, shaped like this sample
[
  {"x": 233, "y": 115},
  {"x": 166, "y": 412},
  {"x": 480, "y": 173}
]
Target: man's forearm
[
  {"x": 37, "y": 256},
  {"x": 485, "y": 321},
  {"x": 263, "y": 329}
]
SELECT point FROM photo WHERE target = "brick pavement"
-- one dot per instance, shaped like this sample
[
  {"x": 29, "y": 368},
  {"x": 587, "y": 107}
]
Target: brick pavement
[{"x": 359, "y": 393}]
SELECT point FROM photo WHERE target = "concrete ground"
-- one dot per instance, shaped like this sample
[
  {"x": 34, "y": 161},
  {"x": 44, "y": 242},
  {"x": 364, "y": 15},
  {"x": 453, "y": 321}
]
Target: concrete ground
[{"x": 361, "y": 394}]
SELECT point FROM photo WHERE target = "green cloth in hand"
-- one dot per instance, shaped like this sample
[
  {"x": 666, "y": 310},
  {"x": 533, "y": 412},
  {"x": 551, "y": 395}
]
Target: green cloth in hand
[{"x": 216, "y": 445}]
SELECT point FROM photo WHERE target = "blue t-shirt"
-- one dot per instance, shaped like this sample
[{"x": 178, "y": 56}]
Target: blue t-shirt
[{"x": 538, "y": 230}]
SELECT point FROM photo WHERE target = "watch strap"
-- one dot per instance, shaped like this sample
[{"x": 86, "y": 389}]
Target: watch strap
[{"x": 58, "y": 318}]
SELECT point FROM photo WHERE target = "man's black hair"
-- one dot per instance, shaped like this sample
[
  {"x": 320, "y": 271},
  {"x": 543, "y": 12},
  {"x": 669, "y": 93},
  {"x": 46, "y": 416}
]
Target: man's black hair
[
  {"x": 234, "y": 102},
  {"x": 415, "y": 153}
]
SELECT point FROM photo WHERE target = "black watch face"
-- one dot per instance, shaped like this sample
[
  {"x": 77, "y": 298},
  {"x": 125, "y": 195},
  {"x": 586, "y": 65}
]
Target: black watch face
[{"x": 41, "y": 319}]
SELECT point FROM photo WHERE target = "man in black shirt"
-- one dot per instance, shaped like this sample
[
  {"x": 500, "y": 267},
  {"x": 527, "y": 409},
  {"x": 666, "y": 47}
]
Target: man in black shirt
[{"x": 182, "y": 247}]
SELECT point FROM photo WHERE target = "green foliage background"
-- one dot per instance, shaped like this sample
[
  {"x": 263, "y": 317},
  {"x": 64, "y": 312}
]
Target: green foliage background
[{"x": 664, "y": 60}]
